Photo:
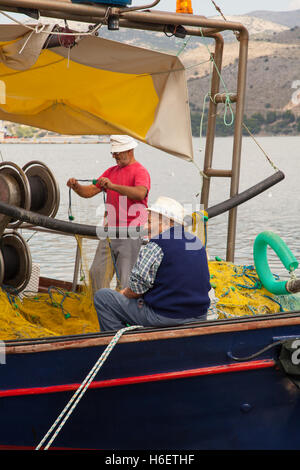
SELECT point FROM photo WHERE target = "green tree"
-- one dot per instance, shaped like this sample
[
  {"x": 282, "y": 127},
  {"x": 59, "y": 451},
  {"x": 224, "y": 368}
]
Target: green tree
[
  {"x": 271, "y": 117},
  {"x": 288, "y": 116},
  {"x": 253, "y": 123},
  {"x": 259, "y": 118}
]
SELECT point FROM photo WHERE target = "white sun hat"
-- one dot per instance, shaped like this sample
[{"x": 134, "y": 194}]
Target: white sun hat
[
  {"x": 170, "y": 208},
  {"x": 121, "y": 143}
]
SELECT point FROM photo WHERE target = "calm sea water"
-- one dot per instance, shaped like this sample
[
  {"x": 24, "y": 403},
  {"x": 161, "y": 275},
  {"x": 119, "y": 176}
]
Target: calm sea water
[{"x": 278, "y": 209}]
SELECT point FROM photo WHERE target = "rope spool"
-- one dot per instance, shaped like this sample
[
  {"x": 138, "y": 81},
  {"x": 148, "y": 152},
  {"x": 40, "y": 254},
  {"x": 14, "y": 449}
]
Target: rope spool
[
  {"x": 14, "y": 189},
  {"x": 15, "y": 262},
  {"x": 31, "y": 188},
  {"x": 45, "y": 194}
]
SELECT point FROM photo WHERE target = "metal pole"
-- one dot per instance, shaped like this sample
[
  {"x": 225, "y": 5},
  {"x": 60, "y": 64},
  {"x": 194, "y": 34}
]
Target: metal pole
[
  {"x": 211, "y": 122},
  {"x": 237, "y": 145},
  {"x": 76, "y": 269},
  {"x": 142, "y": 7}
]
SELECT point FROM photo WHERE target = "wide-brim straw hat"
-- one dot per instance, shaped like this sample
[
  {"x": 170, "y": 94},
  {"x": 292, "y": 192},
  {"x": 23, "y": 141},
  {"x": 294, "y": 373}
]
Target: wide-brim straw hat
[
  {"x": 122, "y": 143},
  {"x": 170, "y": 208}
]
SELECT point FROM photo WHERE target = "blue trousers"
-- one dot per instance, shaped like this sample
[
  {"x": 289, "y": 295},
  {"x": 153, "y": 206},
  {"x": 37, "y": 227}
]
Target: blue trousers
[{"x": 115, "y": 311}]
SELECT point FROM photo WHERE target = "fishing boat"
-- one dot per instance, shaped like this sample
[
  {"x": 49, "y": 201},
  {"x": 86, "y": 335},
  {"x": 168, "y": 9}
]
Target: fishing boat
[{"x": 225, "y": 383}]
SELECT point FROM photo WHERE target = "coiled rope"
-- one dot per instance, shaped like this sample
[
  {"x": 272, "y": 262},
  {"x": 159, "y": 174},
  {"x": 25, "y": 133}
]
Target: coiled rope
[{"x": 66, "y": 412}]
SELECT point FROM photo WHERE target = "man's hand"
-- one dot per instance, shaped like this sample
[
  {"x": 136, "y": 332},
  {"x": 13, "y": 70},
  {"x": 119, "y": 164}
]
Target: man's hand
[
  {"x": 129, "y": 293},
  {"x": 73, "y": 184},
  {"x": 105, "y": 183},
  {"x": 136, "y": 193}
]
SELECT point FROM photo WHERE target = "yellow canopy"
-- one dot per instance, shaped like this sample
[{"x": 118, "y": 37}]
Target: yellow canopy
[{"x": 98, "y": 87}]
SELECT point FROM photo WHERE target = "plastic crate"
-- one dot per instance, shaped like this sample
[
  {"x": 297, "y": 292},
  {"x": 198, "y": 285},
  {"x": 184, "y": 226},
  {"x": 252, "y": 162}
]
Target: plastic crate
[{"x": 105, "y": 2}]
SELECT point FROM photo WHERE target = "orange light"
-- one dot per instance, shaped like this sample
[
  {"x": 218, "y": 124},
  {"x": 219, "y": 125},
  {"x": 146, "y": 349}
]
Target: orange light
[{"x": 184, "y": 6}]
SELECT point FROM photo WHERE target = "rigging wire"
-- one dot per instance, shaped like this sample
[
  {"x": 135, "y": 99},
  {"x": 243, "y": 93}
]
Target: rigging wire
[{"x": 244, "y": 125}]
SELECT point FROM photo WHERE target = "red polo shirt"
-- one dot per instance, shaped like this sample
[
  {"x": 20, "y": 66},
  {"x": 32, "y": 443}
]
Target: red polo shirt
[{"x": 122, "y": 211}]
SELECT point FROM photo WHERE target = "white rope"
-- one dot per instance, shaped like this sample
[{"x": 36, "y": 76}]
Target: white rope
[
  {"x": 69, "y": 53},
  {"x": 28, "y": 39},
  {"x": 60, "y": 421},
  {"x": 25, "y": 43}
]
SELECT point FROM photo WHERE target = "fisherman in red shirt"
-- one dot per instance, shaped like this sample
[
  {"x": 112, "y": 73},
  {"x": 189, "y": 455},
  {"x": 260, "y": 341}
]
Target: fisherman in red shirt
[{"x": 127, "y": 186}]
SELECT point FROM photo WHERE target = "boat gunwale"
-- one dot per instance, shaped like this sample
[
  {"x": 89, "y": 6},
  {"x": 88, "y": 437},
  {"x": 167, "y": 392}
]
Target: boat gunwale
[{"x": 151, "y": 334}]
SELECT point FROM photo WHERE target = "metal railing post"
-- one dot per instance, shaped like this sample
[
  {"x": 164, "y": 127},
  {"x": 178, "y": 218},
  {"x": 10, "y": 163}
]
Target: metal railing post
[
  {"x": 76, "y": 269},
  {"x": 211, "y": 120},
  {"x": 237, "y": 144}
]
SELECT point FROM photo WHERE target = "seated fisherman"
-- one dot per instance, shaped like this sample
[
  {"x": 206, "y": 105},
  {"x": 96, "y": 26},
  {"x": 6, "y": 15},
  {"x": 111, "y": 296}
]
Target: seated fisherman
[{"x": 169, "y": 282}]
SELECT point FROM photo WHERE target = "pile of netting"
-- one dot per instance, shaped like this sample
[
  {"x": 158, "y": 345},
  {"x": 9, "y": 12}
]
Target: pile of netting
[
  {"x": 236, "y": 289},
  {"x": 55, "y": 313},
  {"x": 239, "y": 292}
]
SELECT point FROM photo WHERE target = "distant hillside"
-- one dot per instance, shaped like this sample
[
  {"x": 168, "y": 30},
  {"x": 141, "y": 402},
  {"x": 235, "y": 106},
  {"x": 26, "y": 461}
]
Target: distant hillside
[
  {"x": 286, "y": 18},
  {"x": 257, "y": 27},
  {"x": 290, "y": 36},
  {"x": 273, "y": 75}
]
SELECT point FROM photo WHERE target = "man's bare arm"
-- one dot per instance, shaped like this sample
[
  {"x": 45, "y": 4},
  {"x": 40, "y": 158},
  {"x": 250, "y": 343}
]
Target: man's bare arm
[
  {"x": 136, "y": 193},
  {"x": 83, "y": 190}
]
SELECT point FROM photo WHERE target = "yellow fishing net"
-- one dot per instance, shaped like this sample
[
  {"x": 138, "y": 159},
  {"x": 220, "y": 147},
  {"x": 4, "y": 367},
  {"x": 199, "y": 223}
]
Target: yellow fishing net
[
  {"x": 57, "y": 312},
  {"x": 46, "y": 314},
  {"x": 239, "y": 292}
]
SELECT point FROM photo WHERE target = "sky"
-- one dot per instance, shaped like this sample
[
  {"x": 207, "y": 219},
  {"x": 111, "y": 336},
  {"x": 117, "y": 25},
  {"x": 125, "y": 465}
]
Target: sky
[
  {"x": 206, "y": 7},
  {"x": 230, "y": 7}
]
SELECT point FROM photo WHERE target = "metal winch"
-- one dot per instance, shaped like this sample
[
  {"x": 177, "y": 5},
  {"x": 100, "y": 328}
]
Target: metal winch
[
  {"x": 15, "y": 262},
  {"x": 31, "y": 188}
]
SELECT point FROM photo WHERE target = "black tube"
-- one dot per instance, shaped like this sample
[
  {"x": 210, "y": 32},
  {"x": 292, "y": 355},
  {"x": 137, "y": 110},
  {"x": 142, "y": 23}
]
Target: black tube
[
  {"x": 40, "y": 220},
  {"x": 245, "y": 195}
]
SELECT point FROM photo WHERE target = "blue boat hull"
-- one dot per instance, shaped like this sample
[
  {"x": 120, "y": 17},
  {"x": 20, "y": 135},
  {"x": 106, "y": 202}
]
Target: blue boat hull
[{"x": 168, "y": 389}]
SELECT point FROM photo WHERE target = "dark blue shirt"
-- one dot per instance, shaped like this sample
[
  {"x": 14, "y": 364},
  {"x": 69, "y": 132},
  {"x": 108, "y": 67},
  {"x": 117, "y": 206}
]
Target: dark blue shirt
[{"x": 182, "y": 284}]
